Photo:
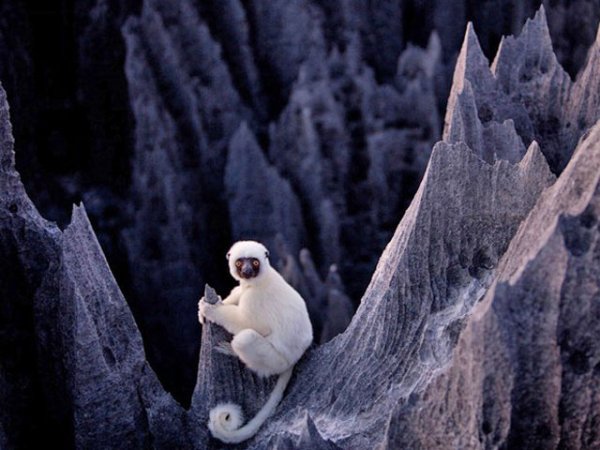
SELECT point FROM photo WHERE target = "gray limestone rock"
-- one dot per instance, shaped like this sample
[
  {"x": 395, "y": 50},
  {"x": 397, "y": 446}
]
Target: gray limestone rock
[
  {"x": 524, "y": 373},
  {"x": 186, "y": 111},
  {"x": 527, "y": 85},
  {"x": 479, "y": 328},
  {"x": 223, "y": 378},
  {"x": 427, "y": 280},
  {"x": 72, "y": 357},
  {"x": 347, "y": 117},
  {"x": 284, "y": 35},
  {"x": 99, "y": 347},
  {"x": 351, "y": 148},
  {"x": 487, "y": 102},
  {"x": 339, "y": 310},
  {"x": 231, "y": 26}
]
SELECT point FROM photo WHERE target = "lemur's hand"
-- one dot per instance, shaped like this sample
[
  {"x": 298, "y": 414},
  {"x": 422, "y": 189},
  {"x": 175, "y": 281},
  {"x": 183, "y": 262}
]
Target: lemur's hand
[{"x": 204, "y": 311}]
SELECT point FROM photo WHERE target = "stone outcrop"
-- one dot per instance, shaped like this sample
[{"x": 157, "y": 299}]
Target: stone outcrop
[
  {"x": 480, "y": 325},
  {"x": 356, "y": 91}
]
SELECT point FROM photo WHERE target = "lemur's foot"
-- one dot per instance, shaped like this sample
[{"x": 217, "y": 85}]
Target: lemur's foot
[{"x": 225, "y": 348}]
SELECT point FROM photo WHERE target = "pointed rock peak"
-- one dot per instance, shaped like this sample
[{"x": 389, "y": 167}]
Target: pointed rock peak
[
  {"x": 80, "y": 234},
  {"x": 243, "y": 145},
  {"x": 535, "y": 162},
  {"x": 471, "y": 57},
  {"x": 312, "y": 438},
  {"x": 471, "y": 66},
  {"x": 79, "y": 216},
  {"x": 533, "y": 44},
  {"x": 463, "y": 124},
  {"x": 242, "y": 135},
  {"x": 533, "y": 153},
  {"x": 245, "y": 158},
  {"x": 210, "y": 295},
  {"x": 434, "y": 44},
  {"x": 540, "y": 17},
  {"x": 470, "y": 36},
  {"x": 537, "y": 28},
  {"x": 434, "y": 53},
  {"x": 334, "y": 281}
]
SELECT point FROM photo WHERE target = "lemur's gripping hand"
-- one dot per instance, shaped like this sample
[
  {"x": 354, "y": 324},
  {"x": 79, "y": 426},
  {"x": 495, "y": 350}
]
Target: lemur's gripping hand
[{"x": 205, "y": 310}]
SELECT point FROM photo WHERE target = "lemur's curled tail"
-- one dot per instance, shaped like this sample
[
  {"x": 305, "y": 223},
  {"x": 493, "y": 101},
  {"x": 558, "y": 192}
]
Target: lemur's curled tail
[{"x": 225, "y": 419}]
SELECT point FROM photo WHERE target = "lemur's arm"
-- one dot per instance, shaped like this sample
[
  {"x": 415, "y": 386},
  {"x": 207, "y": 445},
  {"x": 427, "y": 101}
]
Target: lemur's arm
[
  {"x": 231, "y": 317},
  {"x": 234, "y": 296}
]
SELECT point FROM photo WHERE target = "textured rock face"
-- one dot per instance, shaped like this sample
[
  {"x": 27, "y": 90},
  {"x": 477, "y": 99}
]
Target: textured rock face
[
  {"x": 73, "y": 364},
  {"x": 134, "y": 106},
  {"x": 480, "y": 325},
  {"x": 98, "y": 349},
  {"x": 411, "y": 314},
  {"x": 524, "y": 372},
  {"x": 29, "y": 247}
]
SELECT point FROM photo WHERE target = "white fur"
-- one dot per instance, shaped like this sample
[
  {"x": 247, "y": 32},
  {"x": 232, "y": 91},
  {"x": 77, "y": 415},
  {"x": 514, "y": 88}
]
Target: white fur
[
  {"x": 271, "y": 329},
  {"x": 228, "y": 415}
]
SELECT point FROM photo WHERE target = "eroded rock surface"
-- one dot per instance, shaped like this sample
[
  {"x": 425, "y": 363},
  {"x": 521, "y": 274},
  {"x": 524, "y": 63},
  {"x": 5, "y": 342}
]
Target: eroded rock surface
[{"x": 479, "y": 327}]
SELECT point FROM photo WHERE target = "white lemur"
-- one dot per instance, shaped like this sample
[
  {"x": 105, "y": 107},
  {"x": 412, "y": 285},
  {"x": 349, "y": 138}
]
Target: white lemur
[{"x": 271, "y": 329}]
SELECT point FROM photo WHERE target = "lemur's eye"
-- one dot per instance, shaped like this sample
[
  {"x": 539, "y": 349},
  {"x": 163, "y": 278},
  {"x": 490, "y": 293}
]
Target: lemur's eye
[
  {"x": 255, "y": 263},
  {"x": 238, "y": 263}
]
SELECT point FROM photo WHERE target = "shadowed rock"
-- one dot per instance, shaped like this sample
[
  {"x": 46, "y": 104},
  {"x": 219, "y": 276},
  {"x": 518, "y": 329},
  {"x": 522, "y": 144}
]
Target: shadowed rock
[
  {"x": 29, "y": 247},
  {"x": 479, "y": 328},
  {"x": 186, "y": 111},
  {"x": 261, "y": 203},
  {"x": 99, "y": 346},
  {"x": 329, "y": 307}
]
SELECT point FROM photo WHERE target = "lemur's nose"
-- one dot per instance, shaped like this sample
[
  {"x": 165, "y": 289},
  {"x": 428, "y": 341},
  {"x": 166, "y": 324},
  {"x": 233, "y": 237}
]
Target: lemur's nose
[{"x": 247, "y": 270}]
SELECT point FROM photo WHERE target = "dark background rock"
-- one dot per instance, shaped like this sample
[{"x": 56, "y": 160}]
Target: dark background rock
[
  {"x": 168, "y": 118},
  {"x": 29, "y": 250}
]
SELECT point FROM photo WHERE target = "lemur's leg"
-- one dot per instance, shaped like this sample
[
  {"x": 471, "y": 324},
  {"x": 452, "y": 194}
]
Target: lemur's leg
[{"x": 258, "y": 353}]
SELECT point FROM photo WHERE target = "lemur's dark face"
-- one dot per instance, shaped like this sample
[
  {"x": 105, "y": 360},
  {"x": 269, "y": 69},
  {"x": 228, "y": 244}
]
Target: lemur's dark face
[
  {"x": 248, "y": 261},
  {"x": 247, "y": 268}
]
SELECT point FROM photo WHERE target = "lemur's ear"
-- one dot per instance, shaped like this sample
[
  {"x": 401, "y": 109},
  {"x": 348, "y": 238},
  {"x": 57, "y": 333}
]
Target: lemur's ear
[
  {"x": 267, "y": 254},
  {"x": 227, "y": 256}
]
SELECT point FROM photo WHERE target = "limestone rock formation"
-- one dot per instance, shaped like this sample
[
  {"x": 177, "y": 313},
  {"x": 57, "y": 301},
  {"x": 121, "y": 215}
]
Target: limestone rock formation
[
  {"x": 356, "y": 90},
  {"x": 524, "y": 372},
  {"x": 480, "y": 325}
]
